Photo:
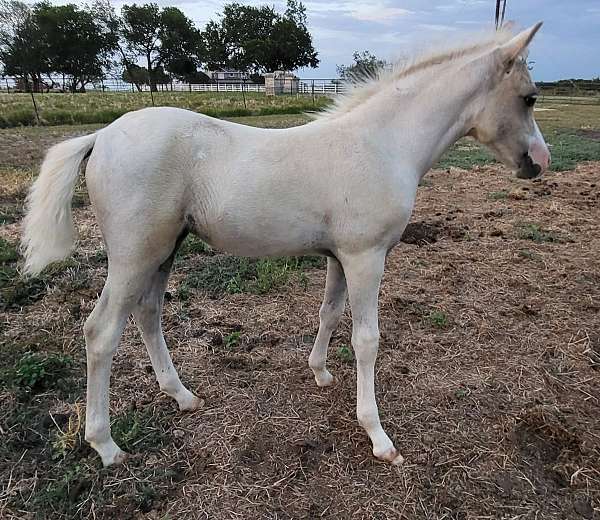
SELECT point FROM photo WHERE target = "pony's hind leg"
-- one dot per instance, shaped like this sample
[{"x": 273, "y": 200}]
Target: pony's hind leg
[
  {"x": 148, "y": 318},
  {"x": 102, "y": 330},
  {"x": 330, "y": 314},
  {"x": 132, "y": 272}
]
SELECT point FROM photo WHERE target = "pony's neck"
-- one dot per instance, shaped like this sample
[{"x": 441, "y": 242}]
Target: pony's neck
[{"x": 415, "y": 127}]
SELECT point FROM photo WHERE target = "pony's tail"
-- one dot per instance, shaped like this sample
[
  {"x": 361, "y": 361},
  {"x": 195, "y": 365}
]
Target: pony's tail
[{"x": 48, "y": 232}]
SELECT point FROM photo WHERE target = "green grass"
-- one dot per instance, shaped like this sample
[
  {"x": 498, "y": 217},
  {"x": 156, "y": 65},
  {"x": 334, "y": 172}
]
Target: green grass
[
  {"x": 37, "y": 372},
  {"x": 566, "y": 147},
  {"x": 344, "y": 354},
  {"x": 94, "y": 107},
  {"x": 465, "y": 154},
  {"x": 8, "y": 253},
  {"x": 559, "y": 124},
  {"x": 192, "y": 245},
  {"x": 498, "y": 195},
  {"x": 233, "y": 339},
  {"x": 229, "y": 274},
  {"x": 535, "y": 233},
  {"x": 137, "y": 431},
  {"x": 438, "y": 319},
  {"x": 528, "y": 255}
]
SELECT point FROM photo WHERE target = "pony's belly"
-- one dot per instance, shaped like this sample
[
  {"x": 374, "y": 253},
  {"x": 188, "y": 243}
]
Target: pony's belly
[{"x": 265, "y": 235}]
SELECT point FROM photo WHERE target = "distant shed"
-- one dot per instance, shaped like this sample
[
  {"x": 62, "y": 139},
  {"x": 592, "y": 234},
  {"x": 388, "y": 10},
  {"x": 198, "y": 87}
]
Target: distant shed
[{"x": 279, "y": 82}]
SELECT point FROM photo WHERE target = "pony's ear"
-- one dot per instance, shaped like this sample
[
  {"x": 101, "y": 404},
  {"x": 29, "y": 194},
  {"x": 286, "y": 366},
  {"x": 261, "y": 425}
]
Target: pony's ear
[
  {"x": 509, "y": 25},
  {"x": 513, "y": 48}
]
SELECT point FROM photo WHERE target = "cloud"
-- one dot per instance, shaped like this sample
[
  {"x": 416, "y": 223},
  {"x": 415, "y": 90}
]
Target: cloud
[
  {"x": 333, "y": 34},
  {"x": 461, "y": 4},
  {"x": 436, "y": 27},
  {"x": 377, "y": 13}
]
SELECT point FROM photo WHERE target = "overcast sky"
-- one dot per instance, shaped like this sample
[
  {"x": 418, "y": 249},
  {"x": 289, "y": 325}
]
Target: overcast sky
[{"x": 567, "y": 46}]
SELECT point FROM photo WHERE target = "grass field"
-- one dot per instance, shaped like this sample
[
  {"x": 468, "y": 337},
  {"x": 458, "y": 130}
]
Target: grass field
[
  {"x": 488, "y": 377},
  {"x": 94, "y": 107}
]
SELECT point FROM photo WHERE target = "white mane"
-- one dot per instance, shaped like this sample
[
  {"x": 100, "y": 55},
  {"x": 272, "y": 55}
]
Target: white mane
[{"x": 359, "y": 90}]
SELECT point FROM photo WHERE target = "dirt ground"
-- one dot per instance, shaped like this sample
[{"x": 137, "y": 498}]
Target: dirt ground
[{"x": 488, "y": 377}]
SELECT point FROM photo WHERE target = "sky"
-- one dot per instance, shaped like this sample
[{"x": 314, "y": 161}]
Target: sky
[{"x": 567, "y": 46}]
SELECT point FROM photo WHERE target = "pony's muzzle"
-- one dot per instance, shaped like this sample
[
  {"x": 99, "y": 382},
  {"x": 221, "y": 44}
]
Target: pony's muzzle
[
  {"x": 535, "y": 161},
  {"x": 528, "y": 169}
]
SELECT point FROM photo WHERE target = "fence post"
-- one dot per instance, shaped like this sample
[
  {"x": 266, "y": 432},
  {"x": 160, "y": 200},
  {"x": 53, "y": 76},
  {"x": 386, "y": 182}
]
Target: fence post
[
  {"x": 313, "y": 91},
  {"x": 37, "y": 115},
  {"x": 244, "y": 92}
]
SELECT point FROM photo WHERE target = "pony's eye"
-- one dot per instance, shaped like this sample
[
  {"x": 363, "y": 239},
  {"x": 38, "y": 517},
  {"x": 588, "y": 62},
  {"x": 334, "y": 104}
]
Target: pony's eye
[{"x": 530, "y": 100}]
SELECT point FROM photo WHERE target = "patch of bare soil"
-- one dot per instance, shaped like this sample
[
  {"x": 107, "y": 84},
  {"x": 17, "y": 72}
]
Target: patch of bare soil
[{"x": 488, "y": 379}]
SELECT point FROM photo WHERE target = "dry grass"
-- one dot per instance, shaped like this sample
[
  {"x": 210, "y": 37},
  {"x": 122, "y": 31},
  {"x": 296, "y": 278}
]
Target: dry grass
[{"x": 494, "y": 406}]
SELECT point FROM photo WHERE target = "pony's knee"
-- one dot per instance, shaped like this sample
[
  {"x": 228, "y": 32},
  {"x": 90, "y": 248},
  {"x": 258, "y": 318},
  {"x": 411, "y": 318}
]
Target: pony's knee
[
  {"x": 330, "y": 314},
  {"x": 365, "y": 344},
  {"x": 91, "y": 330},
  {"x": 101, "y": 331}
]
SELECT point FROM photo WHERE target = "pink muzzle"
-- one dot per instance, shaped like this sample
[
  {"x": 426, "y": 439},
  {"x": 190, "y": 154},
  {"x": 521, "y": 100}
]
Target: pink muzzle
[{"x": 539, "y": 153}]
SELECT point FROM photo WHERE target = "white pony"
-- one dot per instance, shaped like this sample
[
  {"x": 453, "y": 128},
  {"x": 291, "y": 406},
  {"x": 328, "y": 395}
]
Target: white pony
[{"x": 343, "y": 186}]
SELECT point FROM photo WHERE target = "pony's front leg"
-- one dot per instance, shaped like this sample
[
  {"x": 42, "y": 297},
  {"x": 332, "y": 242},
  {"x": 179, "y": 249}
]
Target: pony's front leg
[
  {"x": 363, "y": 276},
  {"x": 330, "y": 314}
]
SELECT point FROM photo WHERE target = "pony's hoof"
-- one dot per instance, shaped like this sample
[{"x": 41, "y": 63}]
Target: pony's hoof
[
  {"x": 116, "y": 458},
  {"x": 191, "y": 404},
  {"x": 324, "y": 379},
  {"x": 392, "y": 455}
]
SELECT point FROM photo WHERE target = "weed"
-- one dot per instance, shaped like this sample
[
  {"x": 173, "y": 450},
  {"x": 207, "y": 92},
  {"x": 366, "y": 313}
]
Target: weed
[
  {"x": 498, "y": 195},
  {"x": 36, "y": 372},
  {"x": 270, "y": 274},
  {"x": 529, "y": 255},
  {"x": 7, "y": 252},
  {"x": 99, "y": 257},
  {"x": 303, "y": 280},
  {"x": 10, "y": 214},
  {"x": 233, "y": 339},
  {"x": 66, "y": 440},
  {"x": 536, "y": 234},
  {"x": 138, "y": 430},
  {"x": 63, "y": 491},
  {"x": 438, "y": 319},
  {"x": 461, "y": 393},
  {"x": 194, "y": 246},
  {"x": 344, "y": 354},
  {"x": 18, "y": 291}
]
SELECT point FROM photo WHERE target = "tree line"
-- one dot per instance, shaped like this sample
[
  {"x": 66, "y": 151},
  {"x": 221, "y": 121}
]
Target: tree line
[{"x": 146, "y": 44}]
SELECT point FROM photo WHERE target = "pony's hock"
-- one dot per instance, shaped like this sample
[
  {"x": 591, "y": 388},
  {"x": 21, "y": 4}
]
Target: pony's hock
[{"x": 343, "y": 186}]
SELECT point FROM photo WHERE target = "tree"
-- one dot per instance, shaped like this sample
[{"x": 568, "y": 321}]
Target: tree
[
  {"x": 76, "y": 43},
  {"x": 163, "y": 38},
  {"x": 258, "y": 39},
  {"x": 21, "y": 44},
  {"x": 46, "y": 39},
  {"x": 139, "y": 75},
  {"x": 366, "y": 65}
]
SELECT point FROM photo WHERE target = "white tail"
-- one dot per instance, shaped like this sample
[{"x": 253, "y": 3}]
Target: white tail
[{"x": 48, "y": 232}]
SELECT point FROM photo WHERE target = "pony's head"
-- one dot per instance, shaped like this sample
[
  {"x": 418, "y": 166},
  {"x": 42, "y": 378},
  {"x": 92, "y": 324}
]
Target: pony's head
[{"x": 504, "y": 119}]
